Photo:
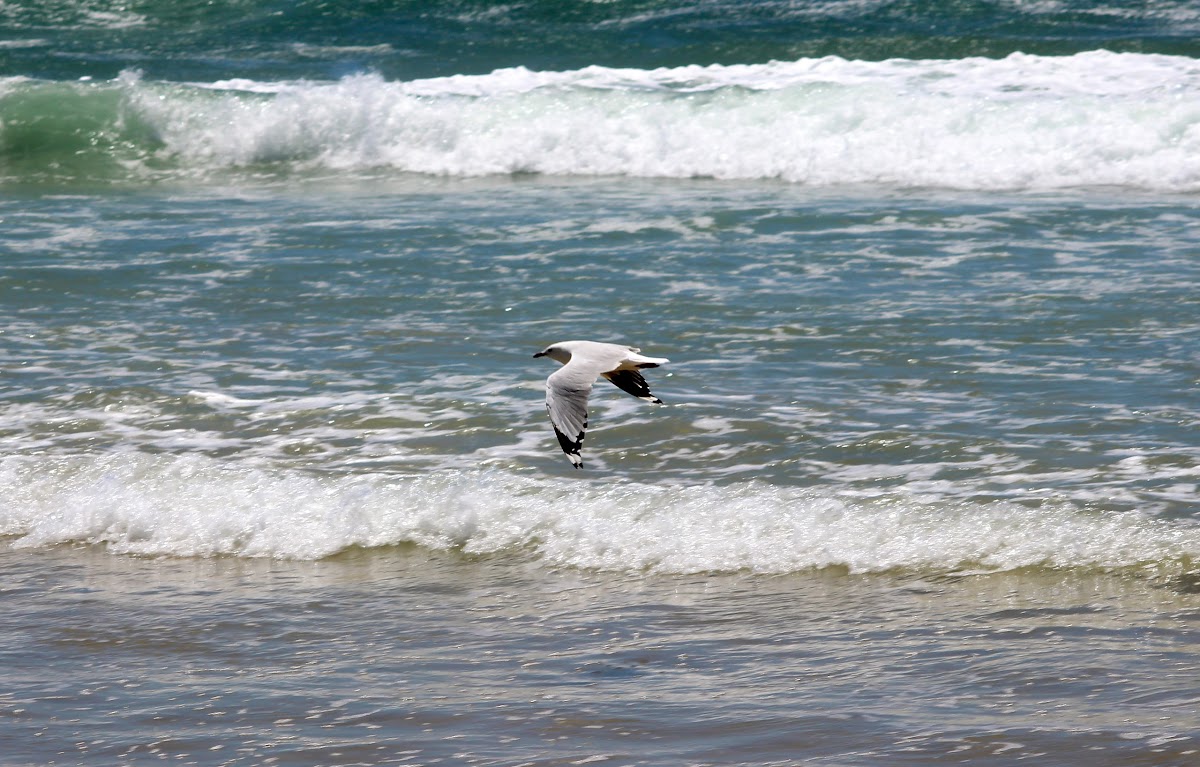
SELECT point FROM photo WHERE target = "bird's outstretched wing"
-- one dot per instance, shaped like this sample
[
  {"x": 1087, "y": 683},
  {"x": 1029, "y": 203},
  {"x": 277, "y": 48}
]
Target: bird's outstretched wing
[
  {"x": 632, "y": 382},
  {"x": 566, "y": 402}
]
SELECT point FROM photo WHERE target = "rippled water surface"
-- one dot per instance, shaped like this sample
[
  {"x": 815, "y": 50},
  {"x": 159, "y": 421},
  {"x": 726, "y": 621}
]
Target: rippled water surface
[
  {"x": 405, "y": 657},
  {"x": 924, "y": 489},
  {"x": 971, "y": 345}
]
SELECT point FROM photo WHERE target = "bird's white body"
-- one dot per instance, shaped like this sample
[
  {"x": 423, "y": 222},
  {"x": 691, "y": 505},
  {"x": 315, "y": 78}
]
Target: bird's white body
[{"x": 567, "y": 389}]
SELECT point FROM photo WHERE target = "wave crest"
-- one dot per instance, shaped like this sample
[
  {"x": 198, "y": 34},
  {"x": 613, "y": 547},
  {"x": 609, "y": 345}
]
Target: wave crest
[
  {"x": 1022, "y": 122},
  {"x": 195, "y": 506}
]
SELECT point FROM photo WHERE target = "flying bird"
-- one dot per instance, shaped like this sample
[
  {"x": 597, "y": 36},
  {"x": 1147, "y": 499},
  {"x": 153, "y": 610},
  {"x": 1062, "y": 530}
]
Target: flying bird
[{"x": 567, "y": 388}]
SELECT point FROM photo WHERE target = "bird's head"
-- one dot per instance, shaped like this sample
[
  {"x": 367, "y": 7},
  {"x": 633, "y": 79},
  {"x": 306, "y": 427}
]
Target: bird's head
[{"x": 556, "y": 352}]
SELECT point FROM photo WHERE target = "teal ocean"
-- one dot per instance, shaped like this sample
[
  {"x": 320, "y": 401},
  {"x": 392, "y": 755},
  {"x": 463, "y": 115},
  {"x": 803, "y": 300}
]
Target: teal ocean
[{"x": 277, "y": 485}]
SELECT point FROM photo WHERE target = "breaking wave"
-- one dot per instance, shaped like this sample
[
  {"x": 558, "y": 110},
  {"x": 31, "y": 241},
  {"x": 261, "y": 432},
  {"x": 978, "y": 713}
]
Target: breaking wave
[
  {"x": 196, "y": 506},
  {"x": 1021, "y": 122}
]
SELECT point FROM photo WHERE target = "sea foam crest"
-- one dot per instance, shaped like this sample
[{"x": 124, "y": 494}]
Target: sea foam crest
[
  {"x": 1024, "y": 121},
  {"x": 197, "y": 506}
]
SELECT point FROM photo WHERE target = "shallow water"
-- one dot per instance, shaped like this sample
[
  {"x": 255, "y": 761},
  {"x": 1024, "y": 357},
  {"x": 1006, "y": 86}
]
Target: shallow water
[{"x": 403, "y": 656}]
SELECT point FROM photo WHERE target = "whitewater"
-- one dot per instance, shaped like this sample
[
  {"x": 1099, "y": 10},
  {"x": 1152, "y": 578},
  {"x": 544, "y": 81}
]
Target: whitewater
[
  {"x": 194, "y": 506},
  {"x": 1022, "y": 122}
]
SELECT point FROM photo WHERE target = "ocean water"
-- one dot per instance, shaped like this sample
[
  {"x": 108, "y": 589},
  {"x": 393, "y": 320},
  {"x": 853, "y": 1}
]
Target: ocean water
[{"x": 277, "y": 484}]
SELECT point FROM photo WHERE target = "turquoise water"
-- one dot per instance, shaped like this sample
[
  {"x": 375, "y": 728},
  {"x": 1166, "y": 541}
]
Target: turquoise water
[{"x": 277, "y": 482}]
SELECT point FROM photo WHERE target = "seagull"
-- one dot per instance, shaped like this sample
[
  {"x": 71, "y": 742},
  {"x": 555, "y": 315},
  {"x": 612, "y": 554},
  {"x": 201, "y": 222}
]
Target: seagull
[{"x": 567, "y": 388}]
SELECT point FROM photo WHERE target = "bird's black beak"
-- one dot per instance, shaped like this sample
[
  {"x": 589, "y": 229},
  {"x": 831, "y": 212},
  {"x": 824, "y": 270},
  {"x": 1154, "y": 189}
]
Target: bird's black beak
[{"x": 539, "y": 354}]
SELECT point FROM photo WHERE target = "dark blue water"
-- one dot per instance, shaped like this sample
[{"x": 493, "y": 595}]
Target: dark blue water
[{"x": 206, "y": 41}]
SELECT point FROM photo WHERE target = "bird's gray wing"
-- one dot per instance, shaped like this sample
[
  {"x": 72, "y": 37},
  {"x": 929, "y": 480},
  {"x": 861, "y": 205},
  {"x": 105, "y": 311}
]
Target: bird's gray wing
[
  {"x": 566, "y": 401},
  {"x": 632, "y": 382}
]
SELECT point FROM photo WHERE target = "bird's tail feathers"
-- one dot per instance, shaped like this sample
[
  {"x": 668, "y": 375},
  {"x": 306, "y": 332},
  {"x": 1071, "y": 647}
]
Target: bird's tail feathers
[{"x": 643, "y": 361}]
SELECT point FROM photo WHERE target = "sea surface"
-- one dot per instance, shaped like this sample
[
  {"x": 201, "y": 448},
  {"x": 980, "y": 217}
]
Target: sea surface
[{"x": 277, "y": 485}]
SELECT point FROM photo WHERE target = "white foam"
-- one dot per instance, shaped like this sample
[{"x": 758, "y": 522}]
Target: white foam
[
  {"x": 196, "y": 506},
  {"x": 116, "y": 19},
  {"x": 1037, "y": 122}
]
